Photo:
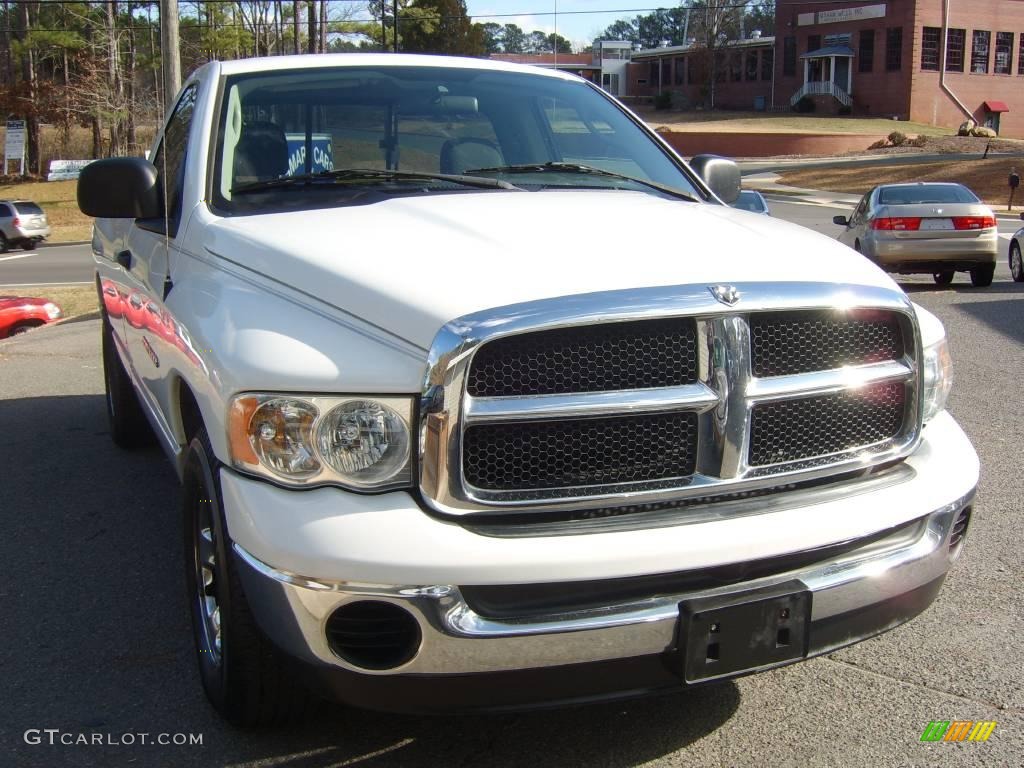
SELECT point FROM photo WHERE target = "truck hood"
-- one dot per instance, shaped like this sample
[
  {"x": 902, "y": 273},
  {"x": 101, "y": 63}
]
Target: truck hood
[{"x": 409, "y": 265}]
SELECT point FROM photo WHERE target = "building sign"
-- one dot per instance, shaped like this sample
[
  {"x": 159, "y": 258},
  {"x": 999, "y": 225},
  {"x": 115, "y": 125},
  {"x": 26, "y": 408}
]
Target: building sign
[
  {"x": 14, "y": 146},
  {"x": 838, "y": 15}
]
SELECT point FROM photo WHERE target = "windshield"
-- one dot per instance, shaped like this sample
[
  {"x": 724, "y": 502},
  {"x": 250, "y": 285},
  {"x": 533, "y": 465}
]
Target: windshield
[
  {"x": 926, "y": 193},
  {"x": 28, "y": 209},
  {"x": 422, "y": 121}
]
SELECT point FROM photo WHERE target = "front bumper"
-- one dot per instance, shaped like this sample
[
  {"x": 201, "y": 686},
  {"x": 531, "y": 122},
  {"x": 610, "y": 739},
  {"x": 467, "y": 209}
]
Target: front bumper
[{"x": 618, "y": 648}]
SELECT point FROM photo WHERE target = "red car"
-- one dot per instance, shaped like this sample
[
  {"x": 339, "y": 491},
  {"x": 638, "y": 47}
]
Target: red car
[{"x": 22, "y": 313}]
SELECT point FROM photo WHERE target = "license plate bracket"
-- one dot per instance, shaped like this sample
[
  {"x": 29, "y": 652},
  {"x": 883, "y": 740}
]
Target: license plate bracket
[
  {"x": 937, "y": 225},
  {"x": 728, "y": 635}
]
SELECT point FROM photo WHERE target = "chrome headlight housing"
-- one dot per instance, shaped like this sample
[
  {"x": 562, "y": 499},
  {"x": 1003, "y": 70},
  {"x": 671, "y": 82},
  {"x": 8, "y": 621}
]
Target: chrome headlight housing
[
  {"x": 360, "y": 443},
  {"x": 936, "y": 364}
]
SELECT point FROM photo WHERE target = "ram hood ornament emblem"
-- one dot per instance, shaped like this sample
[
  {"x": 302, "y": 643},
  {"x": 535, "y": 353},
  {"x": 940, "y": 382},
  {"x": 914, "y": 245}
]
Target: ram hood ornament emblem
[{"x": 726, "y": 294}]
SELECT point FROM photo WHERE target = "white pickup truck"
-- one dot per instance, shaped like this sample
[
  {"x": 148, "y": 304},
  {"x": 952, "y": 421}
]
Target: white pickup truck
[{"x": 481, "y": 397}]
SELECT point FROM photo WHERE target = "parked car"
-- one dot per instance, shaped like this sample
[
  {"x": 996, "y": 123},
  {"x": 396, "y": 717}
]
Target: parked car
[
  {"x": 935, "y": 228},
  {"x": 22, "y": 223},
  {"x": 753, "y": 201},
  {"x": 19, "y": 314},
  {"x": 1016, "y": 262},
  {"x": 445, "y": 444}
]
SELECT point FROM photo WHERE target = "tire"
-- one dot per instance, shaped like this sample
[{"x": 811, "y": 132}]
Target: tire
[
  {"x": 23, "y": 328},
  {"x": 856, "y": 246},
  {"x": 28, "y": 245},
  {"x": 1016, "y": 262},
  {"x": 4, "y": 245},
  {"x": 129, "y": 428},
  {"x": 247, "y": 680},
  {"x": 945, "y": 277},
  {"x": 981, "y": 277}
]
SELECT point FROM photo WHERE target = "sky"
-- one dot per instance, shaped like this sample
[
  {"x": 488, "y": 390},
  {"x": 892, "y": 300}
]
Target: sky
[{"x": 580, "y": 28}]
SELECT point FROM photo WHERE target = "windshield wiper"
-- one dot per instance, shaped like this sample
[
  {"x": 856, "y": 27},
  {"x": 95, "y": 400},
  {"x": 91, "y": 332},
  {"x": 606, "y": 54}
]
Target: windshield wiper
[
  {"x": 370, "y": 174},
  {"x": 560, "y": 167}
]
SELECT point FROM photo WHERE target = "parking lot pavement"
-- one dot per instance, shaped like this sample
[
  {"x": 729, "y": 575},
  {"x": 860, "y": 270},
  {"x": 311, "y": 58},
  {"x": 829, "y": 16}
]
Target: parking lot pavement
[{"x": 96, "y": 637}]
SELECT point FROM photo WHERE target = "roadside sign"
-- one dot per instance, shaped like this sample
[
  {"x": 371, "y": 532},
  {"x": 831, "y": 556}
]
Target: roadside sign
[
  {"x": 14, "y": 146},
  {"x": 323, "y": 153}
]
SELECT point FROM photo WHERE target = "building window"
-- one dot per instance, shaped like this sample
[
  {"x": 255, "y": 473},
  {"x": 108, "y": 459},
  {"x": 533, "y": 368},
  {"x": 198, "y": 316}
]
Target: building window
[
  {"x": 893, "y": 49},
  {"x": 680, "y": 67},
  {"x": 691, "y": 73},
  {"x": 843, "y": 38},
  {"x": 1004, "y": 53},
  {"x": 768, "y": 63},
  {"x": 666, "y": 71},
  {"x": 751, "y": 71},
  {"x": 639, "y": 80},
  {"x": 956, "y": 39},
  {"x": 1020, "y": 55},
  {"x": 736, "y": 67},
  {"x": 930, "y": 48},
  {"x": 653, "y": 75},
  {"x": 866, "y": 54},
  {"x": 979, "y": 52},
  {"x": 789, "y": 57},
  {"x": 813, "y": 42}
]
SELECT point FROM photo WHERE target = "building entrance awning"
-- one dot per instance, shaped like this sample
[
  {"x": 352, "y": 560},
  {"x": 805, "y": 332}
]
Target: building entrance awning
[
  {"x": 839, "y": 51},
  {"x": 996, "y": 106}
]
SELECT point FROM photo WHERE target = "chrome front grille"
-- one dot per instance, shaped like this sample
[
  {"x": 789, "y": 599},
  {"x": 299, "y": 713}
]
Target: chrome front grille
[
  {"x": 808, "y": 427},
  {"x": 595, "y": 358},
  {"x": 665, "y": 394},
  {"x": 801, "y": 342},
  {"x": 580, "y": 452}
]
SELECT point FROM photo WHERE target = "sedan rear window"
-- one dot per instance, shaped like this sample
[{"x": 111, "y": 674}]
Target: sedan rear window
[
  {"x": 28, "y": 209},
  {"x": 926, "y": 193}
]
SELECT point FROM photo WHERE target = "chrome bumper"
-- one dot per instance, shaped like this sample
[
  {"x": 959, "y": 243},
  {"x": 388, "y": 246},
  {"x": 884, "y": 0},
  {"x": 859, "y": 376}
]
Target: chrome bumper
[{"x": 293, "y": 610}]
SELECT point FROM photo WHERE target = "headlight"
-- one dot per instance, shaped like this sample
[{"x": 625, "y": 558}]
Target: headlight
[
  {"x": 53, "y": 311},
  {"x": 358, "y": 442},
  {"x": 938, "y": 377}
]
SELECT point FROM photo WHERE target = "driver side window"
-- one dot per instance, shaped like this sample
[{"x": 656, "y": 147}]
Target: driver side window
[{"x": 170, "y": 155}]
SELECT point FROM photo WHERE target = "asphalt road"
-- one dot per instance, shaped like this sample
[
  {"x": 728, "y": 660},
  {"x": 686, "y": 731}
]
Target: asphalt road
[
  {"x": 52, "y": 265},
  {"x": 96, "y": 637}
]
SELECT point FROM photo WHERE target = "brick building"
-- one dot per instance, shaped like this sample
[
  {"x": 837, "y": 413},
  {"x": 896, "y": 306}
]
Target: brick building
[{"x": 931, "y": 61}]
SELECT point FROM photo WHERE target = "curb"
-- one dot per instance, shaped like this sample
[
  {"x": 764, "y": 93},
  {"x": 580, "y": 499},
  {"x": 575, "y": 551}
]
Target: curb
[{"x": 61, "y": 245}]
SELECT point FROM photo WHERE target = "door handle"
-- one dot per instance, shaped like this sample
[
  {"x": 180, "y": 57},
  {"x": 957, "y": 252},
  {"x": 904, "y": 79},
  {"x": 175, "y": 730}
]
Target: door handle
[{"x": 124, "y": 258}]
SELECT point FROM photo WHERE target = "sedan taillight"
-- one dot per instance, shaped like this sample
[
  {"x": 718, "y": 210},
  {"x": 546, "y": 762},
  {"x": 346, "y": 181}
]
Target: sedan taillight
[
  {"x": 974, "y": 222},
  {"x": 897, "y": 224}
]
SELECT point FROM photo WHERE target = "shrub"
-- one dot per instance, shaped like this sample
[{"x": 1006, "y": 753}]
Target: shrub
[
  {"x": 919, "y": 141},
  {"x": 897, "y": 139},
  {"x": 880, "y": 144},
  {"x": 663, "y": 100},
  {"x": 805, "y": 105}
]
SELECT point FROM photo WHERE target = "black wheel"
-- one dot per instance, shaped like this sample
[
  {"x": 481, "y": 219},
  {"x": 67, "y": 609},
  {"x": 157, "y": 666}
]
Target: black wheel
[
  {"x": 944, "y": 277},
  {"x": 128, "y": 426},
  {"x": 23, "y": 328},
  {"x": 981, "y": 277},
  {"x": 856, "y": 246},
  {"x": 4, "y": 245},
  {"x": 28, "y": 245},
  {"x": 1016, "y": 263},
  {"x": 248, "y": 681}
]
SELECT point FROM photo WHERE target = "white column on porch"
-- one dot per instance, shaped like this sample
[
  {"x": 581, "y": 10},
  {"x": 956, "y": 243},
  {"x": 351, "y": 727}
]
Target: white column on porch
[
  {"x": 807, "y": 70},
  {"x": 849, "y": 77}
]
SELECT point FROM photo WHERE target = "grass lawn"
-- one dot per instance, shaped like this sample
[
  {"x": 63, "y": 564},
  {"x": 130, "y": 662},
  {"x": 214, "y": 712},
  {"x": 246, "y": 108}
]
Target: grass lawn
[
  {"x": 986, "y": 178},
  {"x": 57, "y": 199},
  {"x": 783, "y": 122}
]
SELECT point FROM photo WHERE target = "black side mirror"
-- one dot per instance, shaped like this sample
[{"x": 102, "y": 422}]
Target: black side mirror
[
  {"x": 842, "y": 221},
  {"x": 720, "y": 174},
  {"x": 119, "y": 188}
]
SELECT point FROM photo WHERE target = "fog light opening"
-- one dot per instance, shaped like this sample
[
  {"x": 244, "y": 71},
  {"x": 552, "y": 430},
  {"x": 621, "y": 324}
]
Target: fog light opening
[
  {"x": 373, "y": 634},
  {"x": 959, "y": 532}
]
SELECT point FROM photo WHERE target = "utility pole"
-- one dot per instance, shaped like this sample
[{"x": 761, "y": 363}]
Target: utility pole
[{"x": 170, "y": 55}]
